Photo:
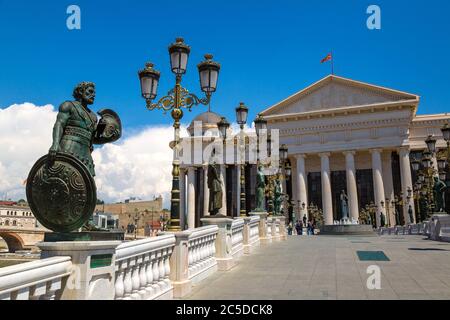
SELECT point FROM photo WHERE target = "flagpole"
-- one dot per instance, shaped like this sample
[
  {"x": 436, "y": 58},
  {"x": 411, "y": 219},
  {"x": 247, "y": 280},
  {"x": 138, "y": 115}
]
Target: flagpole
[{"x": 332, "y": 63}]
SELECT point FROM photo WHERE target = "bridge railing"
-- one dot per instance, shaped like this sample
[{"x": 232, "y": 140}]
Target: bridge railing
[
  {"x": 237, "y": 238},
  {"x": 143, "y": 269},
  {"x": 202, "y": 251},
  {"x": 162, "y": 267},
  {"x": 36, "y": 280}
]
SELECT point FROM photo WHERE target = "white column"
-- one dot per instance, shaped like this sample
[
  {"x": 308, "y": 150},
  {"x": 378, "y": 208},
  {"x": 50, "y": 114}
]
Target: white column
[
  {"x": 223, "y": 175},
  {"x": 301, "y": 184},
  {"x": 191, "y": 197},
  {"x": 405, "y": 173},
  {"x": 388, "y": 187},
  {"x": 352, "y": 190},
  {"x": 182, "y": 198},
  {"x": 327, "y": 204},
  {"x": 205, "y": 191},
  {"x": 378, "y": 186}
]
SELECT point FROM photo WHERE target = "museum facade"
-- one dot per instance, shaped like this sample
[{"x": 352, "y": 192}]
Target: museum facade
[{"x": 342, "y": 135}]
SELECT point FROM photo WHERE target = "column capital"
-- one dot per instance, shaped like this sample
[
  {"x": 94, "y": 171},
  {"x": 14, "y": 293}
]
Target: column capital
[
  {"x": 403, "y": 150},
  {"x": 190, "y": 169},
  {"x": 324, "y": 154},
  {"x": 349, "y": 152},
  {"x": 300, "y": 156},
  {"x": 376, "y": 150}
]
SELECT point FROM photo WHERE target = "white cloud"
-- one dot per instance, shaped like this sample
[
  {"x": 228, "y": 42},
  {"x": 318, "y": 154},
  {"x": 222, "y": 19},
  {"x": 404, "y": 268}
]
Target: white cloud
[
  {"x": 136, "y": 166},
  {"x": 25, "y": 135}
]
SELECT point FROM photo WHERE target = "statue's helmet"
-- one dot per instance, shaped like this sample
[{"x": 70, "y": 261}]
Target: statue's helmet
[{"x": 109, "y": 128}]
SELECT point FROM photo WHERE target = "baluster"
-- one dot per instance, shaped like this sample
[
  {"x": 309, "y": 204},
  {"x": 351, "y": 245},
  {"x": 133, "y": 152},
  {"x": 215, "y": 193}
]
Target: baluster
[
  {"x": 142, "y": 278},
  {"x": 155, "y": 269},
  {"x": 119, "y": 285},
  {"x": 190, "y": 257},
  {"x": 135, "y": 280},
  {"x": 167, "y": 268},
  {"x": 149, "y": 274},
  {"x": 162, "y": 270},
  {"x": 127, "y": 283}
]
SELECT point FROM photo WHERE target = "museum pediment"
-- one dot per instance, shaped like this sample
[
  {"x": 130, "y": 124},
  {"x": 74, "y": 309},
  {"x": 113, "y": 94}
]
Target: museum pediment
[{"x": 335, "y": 92}]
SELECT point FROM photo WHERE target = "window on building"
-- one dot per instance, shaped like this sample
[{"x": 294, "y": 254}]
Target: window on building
[
  {"x": 7, "y": 223},
  {"x": 14, "y": 223}
]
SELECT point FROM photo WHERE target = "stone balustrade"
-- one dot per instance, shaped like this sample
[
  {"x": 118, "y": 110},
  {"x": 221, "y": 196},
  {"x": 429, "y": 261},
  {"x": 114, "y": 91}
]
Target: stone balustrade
[
  {"x": 143, "y": 269},
  {"x": 162, "y": 267},
  {"x": 438, "y": 228},
  {"x": 36, "y": 280},
  {"x": 202, "y": 252},
  {"x": 251, "y": 233},
  {"x": 194, "y": 258},
  {"x": 237, "y": 238}
]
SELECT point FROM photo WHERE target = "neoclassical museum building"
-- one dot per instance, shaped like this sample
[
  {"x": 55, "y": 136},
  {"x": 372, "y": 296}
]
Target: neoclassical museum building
[{"x": 341, "y": 134}]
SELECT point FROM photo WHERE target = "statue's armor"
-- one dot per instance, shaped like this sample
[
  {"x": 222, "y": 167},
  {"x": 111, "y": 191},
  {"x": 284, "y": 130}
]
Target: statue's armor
[{"x": 78, "y": 134}]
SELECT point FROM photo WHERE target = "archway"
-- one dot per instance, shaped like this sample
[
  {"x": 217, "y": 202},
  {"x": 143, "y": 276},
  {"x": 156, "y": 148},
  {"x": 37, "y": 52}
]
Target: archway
[{"x": 13, "y": 241}]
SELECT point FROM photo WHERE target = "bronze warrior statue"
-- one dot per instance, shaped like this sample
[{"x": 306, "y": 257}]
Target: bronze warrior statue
[
  {"x": 439, "y": 188},
  {"x": 76, "y": 129},
  {"x": 260, "y": 190},
  {"x": 60, "y": 187},
  {"x": 215, "y": 189}
]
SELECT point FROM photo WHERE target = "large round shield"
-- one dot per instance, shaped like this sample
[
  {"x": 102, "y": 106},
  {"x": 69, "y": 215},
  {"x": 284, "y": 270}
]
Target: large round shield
[{"x": 61, "y": 193}]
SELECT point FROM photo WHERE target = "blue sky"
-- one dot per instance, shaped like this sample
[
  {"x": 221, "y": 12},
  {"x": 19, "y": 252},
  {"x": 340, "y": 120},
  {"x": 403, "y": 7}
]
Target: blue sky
[{"x": 268, "y": 50}]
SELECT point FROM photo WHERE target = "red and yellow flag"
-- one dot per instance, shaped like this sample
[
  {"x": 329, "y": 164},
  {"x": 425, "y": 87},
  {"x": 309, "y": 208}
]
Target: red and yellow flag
[{"x": 327, "y": 58}]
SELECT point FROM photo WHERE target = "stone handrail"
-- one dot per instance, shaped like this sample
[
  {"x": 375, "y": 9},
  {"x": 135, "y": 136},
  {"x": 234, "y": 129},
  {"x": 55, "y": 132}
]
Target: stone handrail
[
  {"x": 143, "y": 268},
  {"x": 254, "y": 230},
  {"x": 202, "y": 250},
  {"x": 237, "y": 237},
  {"x": 41, "y": 279}
]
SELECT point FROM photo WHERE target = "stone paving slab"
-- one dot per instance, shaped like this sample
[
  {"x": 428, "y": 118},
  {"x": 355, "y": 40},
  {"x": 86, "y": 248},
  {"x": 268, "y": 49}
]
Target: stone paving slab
[{"x": 328, "y": 268}]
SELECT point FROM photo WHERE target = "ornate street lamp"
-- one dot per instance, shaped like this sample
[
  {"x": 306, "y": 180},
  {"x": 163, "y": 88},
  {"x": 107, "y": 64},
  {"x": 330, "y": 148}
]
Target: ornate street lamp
[
  {"x": 288, "y": 170},
  {"x": 177, "y": 99},
  {"x": 241, "y": 118},
  {"x": 431, "y": 144},
  {"x": 415, "y": 165},
  {"x": 260, "y": 127},
  {"x": 149, "y": 78},
  {"x": 260, "y": 124},
  {"x": 179, "y": 53},
  {"x": 241, "y": 114},
  {"x": 283, "y": 152},
  {"x": 446, "y": 132},
  {"x": 426, "y": 159},
  {"x": 209, "y": 73},
  {"x": 283, "y": 158},
  {"x": 223, "y": 126}
]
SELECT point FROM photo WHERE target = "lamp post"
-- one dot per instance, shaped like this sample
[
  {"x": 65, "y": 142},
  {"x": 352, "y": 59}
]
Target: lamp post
[
  {"x": 223, "y": 125},
  {"x": 283, "y": 158},
  {"x": 288, "y": 203},
  {"x": 426, "y": 174},
  {"x": 241, "y": 117},
  {"x": 260, "y": 127},
  {"x": 136, "y": 217},
  {"x": 177, "y": 99}
]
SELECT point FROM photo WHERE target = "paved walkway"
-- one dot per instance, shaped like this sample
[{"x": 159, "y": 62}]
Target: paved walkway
[{"x": 328, "y": 267}]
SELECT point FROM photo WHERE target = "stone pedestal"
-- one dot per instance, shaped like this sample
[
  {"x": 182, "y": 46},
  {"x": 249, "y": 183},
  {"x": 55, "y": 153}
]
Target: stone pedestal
[
  {"x": 248, "y": 246},
  {"x": 223, "y": 241},
  {"x": 283, "y": 231},
  {"x": 439, "y": 227},
  {"x": 273, "y": 222},
  {"x": 179, "y": 265},
  {"x": 93, "y": 264},
  {"x": 264, "y": 237}
]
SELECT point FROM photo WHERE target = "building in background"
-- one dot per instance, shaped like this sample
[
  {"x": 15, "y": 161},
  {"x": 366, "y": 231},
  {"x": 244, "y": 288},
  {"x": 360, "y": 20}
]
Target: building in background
[{"x": 131, "y": 213}]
